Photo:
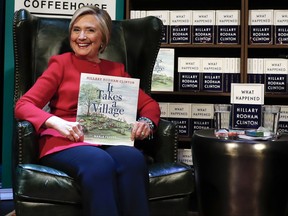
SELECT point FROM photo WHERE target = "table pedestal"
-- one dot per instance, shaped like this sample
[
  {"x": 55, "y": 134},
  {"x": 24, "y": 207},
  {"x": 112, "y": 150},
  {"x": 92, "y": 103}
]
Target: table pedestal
[{"x": 240, "y": 177}]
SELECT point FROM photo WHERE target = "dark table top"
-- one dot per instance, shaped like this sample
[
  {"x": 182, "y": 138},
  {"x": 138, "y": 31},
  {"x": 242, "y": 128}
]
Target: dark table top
[{"x": 208, "y": 134}]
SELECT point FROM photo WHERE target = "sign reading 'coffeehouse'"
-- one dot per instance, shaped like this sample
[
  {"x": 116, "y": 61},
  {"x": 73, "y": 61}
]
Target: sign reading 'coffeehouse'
[
  {"x": 247, "y": 101},
  {"x": 63, "y": 8}
]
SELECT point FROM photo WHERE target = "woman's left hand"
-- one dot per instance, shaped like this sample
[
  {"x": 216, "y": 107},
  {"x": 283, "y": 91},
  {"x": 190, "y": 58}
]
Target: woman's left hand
[{"x": 140, "y": 131}]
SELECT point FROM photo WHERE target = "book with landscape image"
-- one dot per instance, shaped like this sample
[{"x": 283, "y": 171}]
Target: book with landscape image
[{"x": 107, "y": 108}]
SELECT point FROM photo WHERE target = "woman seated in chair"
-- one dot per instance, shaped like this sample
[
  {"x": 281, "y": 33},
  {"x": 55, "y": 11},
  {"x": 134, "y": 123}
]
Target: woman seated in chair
[{"x": 113, "y": 179}]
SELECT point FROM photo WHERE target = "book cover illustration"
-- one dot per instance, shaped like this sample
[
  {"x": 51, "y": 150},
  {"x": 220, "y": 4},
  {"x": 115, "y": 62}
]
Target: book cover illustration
[
  {"x": 163, "y": 71},
  {"x": 107, "y": 108}
]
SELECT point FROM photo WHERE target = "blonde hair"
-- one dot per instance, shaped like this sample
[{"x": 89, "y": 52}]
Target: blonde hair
[{"x": 101, "y": 16}]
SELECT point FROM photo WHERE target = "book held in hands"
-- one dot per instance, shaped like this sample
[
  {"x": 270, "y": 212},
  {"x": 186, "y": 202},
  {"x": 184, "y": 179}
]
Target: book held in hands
[{"x": 107, "y": 108}]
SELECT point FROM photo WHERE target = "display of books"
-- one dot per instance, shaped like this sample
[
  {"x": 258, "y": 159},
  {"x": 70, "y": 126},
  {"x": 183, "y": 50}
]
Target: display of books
[
  {"x": 163, "y": 71},
  {"x": 107, "y": 108}
]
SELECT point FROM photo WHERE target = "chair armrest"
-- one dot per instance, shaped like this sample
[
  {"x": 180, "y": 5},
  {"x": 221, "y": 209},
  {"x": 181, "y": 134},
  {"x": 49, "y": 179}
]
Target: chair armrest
[
  {"x": 25, "y": 143},
  {"x": 165, "y": 148}
]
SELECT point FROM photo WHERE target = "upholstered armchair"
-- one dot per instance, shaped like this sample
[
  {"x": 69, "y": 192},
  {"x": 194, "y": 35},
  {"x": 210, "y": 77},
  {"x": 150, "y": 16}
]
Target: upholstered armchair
[{"x": 40, "y": 190}]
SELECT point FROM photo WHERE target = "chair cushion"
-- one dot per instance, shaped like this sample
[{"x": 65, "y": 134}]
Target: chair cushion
[
  {"x": 41, "y": 183},
  {"x": 170, "y": 180},
  {"x": 36, "y": 182}
]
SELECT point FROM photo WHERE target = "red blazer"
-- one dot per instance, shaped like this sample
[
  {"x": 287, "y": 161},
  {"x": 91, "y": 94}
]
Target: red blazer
[{"x": 59, "y": 86}]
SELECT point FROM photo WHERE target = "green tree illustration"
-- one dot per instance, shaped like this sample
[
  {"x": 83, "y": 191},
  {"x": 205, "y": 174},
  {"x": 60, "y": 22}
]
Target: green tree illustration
[{"x": 89, "y": 94}]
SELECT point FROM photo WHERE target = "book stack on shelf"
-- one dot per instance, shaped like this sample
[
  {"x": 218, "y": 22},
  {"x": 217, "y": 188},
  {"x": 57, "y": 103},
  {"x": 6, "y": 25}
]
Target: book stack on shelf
[
  {"x": 268, "y": 26},
  {"x": 272, "y": 72},
  {"x": 208, "y": 74},
  {"x": 188, "y": 116},
  {"x": 196, "y": 26}
]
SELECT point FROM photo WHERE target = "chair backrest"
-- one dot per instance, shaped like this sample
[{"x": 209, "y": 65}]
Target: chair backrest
[{"x": 135, "y": 43}]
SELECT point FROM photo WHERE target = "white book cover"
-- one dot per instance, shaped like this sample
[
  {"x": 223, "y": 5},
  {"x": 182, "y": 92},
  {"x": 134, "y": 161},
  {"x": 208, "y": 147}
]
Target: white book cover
[
  {"x": 203, "y": 26},
  {"x": 281, "y": 26},
  {"x": 163, "y": 71},
  {"x": 261, "y": 26},
  {"x": 107, "y": 108},
  {"x": 212, "y": 76},
  {"x": 180, "y": 26},
  {"x": 275, "y": 70},
  {"x": 227, "y": 26},
  {"x": 189, "y": 69}
]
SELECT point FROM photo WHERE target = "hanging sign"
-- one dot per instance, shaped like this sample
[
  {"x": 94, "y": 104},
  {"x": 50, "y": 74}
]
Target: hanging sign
[{"x": 63, "y": 8}]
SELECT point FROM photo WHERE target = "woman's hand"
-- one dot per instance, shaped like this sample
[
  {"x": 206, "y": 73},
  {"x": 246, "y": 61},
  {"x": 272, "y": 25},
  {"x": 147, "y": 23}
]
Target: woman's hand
[
  {"x": 71, "y": 130},
  {"x": 140, "y": 131}
]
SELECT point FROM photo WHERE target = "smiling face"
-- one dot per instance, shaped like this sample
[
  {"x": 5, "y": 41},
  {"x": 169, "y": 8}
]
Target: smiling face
[{"x": 86, "y": 37}]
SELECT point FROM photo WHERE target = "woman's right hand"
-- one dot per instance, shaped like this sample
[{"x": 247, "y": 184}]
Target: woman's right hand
[{"x": 71, "y": 130}]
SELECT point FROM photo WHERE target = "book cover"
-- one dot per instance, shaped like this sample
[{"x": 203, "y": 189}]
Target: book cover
[
  {"x": 246, "y": 101},
  {"x": 164, "y": 108},
  {"x": 203, "y": 26},
  {"x": 227, "y": 26},
  {"x": 164, "y": 16},
  {"x": 275, "y": 71},
  {"x": 260, "y": 26},
  {"x": 180, "y": 26},
  {"x": 185, "y": 156},
  {"x": 201, "y": 116},
  {"x": 283, "y": 120},
  {"x": 281, "y": 26},
  {"x": 180, "y": 114},
  {"x": 189, "y": 69},
  {"x": 163, "y": 71},
  {"x": 212, "y": 75},
  {"x": 107, "y": 108}
]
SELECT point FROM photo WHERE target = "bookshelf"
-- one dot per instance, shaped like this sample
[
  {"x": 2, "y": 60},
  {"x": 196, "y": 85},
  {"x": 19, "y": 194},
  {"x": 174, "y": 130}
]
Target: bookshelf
[{"x": 244, "y": 50}]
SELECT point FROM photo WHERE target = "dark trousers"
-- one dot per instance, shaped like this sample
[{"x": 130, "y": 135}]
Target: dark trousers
[{"x": 113, "y": 179}]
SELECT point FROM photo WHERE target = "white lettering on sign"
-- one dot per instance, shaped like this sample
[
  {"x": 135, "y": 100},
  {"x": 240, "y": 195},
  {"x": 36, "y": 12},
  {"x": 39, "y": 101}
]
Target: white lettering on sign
[{"x": 63, "y": 8}]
